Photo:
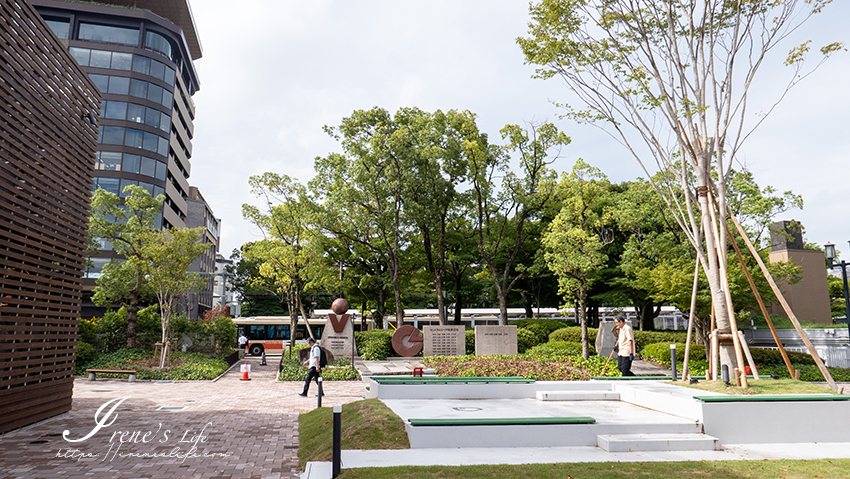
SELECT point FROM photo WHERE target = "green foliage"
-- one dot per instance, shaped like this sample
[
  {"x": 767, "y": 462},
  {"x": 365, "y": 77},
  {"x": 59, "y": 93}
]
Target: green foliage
[
  {"x": 293, "y": 370},
  {"x": 545, "y": 362},
  {"x": 470, "y": 341},
  {"x": 223, "y": 331},
  {"x": 525, "y": 340},
  {"x": 375, "y": 345},
  {"x": 541, "y": 327},
  {"x": 808, "y": 372},
  {"x": 660, "y": 353},
  {"x": 573, "y": 334},
  {"x": 85, "y": 352},
  {"x": 188, "y": 366}
]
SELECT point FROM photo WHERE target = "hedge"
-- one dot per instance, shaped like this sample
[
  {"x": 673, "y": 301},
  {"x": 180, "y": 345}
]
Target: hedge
[
  {"x": 642, "y": 338},
  {"x": 660, "y": 353},
  {"x": 375, "y": 345}
]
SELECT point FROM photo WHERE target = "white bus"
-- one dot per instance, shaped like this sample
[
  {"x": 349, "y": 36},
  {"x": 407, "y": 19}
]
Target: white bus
[{"x": 271, "y": 334}]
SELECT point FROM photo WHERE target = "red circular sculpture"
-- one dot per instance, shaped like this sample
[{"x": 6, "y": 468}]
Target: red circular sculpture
[
  {"x": 339, "y": 306},
  {"x": 407, "y": 341}
]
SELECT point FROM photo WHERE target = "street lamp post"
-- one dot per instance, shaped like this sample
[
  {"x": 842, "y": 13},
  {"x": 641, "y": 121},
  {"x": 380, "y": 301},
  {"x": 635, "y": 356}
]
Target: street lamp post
[{"x": 830, "y": 255}]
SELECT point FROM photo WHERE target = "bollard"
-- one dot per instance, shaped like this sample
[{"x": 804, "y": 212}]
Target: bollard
[
  {"x": 263, "y": 359},
  {"x": 320, "y": 391},
  {"x": 337, "y": 446},
  {"x": 724, "y": 373},
  {"x": 673, "y": 360}
]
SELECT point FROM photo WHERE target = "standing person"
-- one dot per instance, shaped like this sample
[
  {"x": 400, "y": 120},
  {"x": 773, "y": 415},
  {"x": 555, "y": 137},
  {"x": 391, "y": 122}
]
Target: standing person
[
  {"x": 625, "y": 346},
  {"x": 243, "y": 341},
  {"x": 313, "y": 363}
]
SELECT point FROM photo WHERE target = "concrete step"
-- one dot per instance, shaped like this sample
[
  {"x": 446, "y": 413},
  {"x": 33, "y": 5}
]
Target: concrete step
[
  {"x": 578, "y": 395},
  {"x": 657, "y": 442}
]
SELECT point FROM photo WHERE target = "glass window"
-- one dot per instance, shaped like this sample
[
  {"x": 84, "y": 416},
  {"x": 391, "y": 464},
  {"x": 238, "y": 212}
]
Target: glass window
[
  {"x": 166, "y": 98},
  {"x": 158, "y": 190},
  {"x": 81, "y": 55},
  {"x": 112, "y": 135},
  {"x": 169, "y": 76},
  {"x": 134, "y": 138},
  {"x": 135, "y": 113},
  {"x": 161, "y": 170},
  {"x": 155, "y": 93},
  {"x": 152, "y": 117},
  {"x": 115, "y": 110},
  {"x": 257, "y": 331},
  {"x": 121, "y": 61},
  {"x": 162, "y": 149},
  {"x": 60, "y": 27},
  {"x": 125, "y": 183},
  {"x": 147, "y": 186},
  {"x": 148, "y": 166},
  {"x": 131, "y": 163},
  {"x": 108, "y": 184},
  {"x": 101, "y": 82},
  {"x": 151, "y": 140},
  {"x": 119, "y": 85},
  {"x": 157, "y": 69},
  {"x": 139, "y": 88},
  {"x": 141, "y": 64},
  {"x": 100, "y": 59},
  {"x": 106, "y": 34},
  {"x": 102, "y": 108},
  {"x": 165, "y": 122},
  {"x": 158, "y": 43},
  {"x": 108, "y": 160},
  {"x": 96, "y": 269}
]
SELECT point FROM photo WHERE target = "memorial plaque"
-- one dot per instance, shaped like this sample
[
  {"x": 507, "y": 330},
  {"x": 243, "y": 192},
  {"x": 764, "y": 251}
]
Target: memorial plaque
[
  {"x": 490, "y": 340},
  {"x": 339, "y": 337},
  {"x": 444, "y": 341},
  {"x": 606, "y": 338}
]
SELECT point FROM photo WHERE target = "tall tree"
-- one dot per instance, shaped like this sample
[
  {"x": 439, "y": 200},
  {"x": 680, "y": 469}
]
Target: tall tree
[
  {"x": 500, "y": 212},
  {"x": 676, "y": 75},
  {"x": 576, "y": 237},
  {"x": 124, "y": 223},
  {"x": 165, "y": 259}
]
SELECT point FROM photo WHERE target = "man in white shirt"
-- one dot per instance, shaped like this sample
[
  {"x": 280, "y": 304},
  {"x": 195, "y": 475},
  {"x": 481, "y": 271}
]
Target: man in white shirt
[
  {"x": 625, "y": 347},
  {"x": 313, "y": 363}
]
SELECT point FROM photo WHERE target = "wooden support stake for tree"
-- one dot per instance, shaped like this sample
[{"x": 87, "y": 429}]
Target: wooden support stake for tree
[
  {"x": 749, "y": 356},
  {"x": 685, "y": 371},
  {"x": 781, "y": 298},
  {"x": 730, "y": 310},
  {"x": 762, "y": 307}
]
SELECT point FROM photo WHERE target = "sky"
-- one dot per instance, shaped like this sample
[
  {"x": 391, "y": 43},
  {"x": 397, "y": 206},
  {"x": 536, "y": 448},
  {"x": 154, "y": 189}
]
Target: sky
[{"x": 273, "y": 73}]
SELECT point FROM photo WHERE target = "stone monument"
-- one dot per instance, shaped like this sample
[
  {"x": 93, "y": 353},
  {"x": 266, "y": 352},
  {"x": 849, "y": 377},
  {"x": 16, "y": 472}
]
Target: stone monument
[
  {"x": 490, "y": 340},
  {"x": 407, "y": 341},
  {"x": 338, "y": 335},
  {"x": 606, "y": 338},
  {"x": 444, "y": 340}
]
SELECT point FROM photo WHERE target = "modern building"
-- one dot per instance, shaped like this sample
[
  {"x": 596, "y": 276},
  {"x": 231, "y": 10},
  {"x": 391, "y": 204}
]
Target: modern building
[
  {"x": 48, "y": 133},
  {"x": 809, "y": 298},
  {"x": 199, "y": 214},
  {"x": 140, "y": 55},
  {"x": 223, "y": 288}
]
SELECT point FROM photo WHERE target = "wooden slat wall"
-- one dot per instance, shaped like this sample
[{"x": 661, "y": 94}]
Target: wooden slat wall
[{"x": 47, "y": 148}]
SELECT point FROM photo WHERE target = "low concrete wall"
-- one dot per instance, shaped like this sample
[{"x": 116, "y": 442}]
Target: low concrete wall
[{"x": 778, "y": 422}]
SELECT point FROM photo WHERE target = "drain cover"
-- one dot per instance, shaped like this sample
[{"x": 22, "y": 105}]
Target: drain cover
[
  {"x": 171, "y": 408},
  {"x": 467, "y": 409}
]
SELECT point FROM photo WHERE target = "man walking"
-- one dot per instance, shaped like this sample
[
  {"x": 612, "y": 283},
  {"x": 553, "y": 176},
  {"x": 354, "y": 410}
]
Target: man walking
[
  {"x": 313, "y": 363},
  {"x": 625, "y": 346}
]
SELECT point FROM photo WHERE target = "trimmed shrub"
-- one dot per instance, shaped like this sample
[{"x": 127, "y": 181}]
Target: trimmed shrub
[
  {"x": 542, "y": 327},
  {"x": 470, "y": 341},
  {"x": 573, "y": 334},
  {"x": 525, "y": 340},
  {"x": 85, "y": 352},
  {"x": 374, "y": 345},
  {"x": 223, "y": 331},
  {"x": 292, "y": 370},
  {"x": 660, "y": 353}
]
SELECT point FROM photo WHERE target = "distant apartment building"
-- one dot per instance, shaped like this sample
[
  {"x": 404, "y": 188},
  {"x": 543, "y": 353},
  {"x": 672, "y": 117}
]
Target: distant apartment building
[
  {"x": 48, "y": 133},
  {"x": 140, "y": 55}
]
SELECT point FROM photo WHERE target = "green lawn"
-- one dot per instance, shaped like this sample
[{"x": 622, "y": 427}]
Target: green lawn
[
  {"x": 763, "y": 386},
  {"x": 367, "y": 424},
  {"x": 822, "y": 469}
]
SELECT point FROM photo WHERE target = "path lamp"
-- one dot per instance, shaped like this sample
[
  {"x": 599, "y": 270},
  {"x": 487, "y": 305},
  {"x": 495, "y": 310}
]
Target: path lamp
[{"x": 830, "y": 255}]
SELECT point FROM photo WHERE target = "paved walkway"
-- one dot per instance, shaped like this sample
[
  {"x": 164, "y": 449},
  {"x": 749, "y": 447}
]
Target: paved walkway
[{"x": 246, "y": 429}]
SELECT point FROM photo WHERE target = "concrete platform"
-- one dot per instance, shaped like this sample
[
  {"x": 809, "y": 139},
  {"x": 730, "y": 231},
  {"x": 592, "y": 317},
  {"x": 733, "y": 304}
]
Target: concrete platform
[
  {"x": 578, "y": 395},
  {"x": 657, "y": 442}
]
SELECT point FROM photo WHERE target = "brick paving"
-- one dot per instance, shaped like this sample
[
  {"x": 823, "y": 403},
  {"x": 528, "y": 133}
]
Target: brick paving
[{"x": 228, "y": 429}]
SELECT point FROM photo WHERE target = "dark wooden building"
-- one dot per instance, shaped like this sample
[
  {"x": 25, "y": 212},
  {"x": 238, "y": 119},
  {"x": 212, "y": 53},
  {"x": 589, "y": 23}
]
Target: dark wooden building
[{"x": 48, "y": 114}]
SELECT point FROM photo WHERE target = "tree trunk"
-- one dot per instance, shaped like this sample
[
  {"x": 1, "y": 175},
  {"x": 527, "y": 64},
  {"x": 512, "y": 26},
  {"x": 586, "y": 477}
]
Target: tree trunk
[
  {"x": 441, "y": 301},
  {"x": 503, "y": 307},
  {"x": 381, "y": 309},
  {"x": 526, "y": 303},
  {"x": 132, "y": 315},
  {"x": 458, "y": 308},
  {"x": 585, "y": 338}
]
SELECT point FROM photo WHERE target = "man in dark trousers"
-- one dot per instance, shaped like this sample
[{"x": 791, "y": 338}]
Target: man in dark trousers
[
  {"x": 625, "y": 346},
  {"x": 313, "y": 363}
]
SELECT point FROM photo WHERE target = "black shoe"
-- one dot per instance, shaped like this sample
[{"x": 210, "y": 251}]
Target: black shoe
[{"x": 302, "y": 395}]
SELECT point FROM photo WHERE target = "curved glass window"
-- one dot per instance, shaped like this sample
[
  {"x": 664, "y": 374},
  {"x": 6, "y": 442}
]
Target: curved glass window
[
  {"x": 108, "y": 161},
  {"x": 121, "y": 110},
  {"x": 100, "y": 59},
  {"x": 100, "y": 81},
  {"x": 107, "y": 34},
  {"x": 108, "y": 184},
  {"x": 60, "y": 27},
  {"x": 158, "y": 43},
  {"x": 119, "y": 85},
  {"x": 114, "y": 110},
  {"x": 121, "y": 61},
  {"x": 81, "y": 55}
]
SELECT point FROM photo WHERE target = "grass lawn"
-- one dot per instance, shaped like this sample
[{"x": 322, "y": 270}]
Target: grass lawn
[
  {"x": 367, "y": 424},
  {"x": 822, "y": 468},
  {"x": 763, "y": 386}
]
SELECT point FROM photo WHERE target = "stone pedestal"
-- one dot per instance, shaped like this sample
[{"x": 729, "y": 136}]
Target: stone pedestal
[
  {"x": 606, "y": 338},
  {"x": 338, "y": 336},
  {"x": 444, "y": 341},
  {"x": 490, "y": 340}
]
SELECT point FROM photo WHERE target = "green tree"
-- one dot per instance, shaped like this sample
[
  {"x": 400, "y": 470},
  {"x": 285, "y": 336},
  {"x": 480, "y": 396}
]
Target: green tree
[
  {"x": 675, "y": 75},
  {"x": 124, "y": 224},
  {"x": 576, "y": 237},
  {"x": 165, "y": 260}
]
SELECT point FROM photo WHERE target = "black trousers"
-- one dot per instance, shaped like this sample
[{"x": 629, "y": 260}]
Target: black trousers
[
  {"x": 624, "y": 364},
  {"x": 315, "y": 374}
]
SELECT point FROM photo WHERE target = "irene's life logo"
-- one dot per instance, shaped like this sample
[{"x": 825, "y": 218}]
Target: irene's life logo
[{"x": 164, "y": 443}]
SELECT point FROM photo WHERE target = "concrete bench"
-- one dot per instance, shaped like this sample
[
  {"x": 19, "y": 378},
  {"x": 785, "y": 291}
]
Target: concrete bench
[
  {"x": 93, "y": 373},
  {"x": 773, "y": 398},
  {"x": 505, "y": 421}
]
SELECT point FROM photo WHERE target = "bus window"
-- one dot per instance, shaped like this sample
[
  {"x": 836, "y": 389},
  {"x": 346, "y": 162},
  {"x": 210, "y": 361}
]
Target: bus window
[
  {"x": 280, "y": 331},
  {"x": 317, "y": 330},
  {"x": 257, "y": 332}
]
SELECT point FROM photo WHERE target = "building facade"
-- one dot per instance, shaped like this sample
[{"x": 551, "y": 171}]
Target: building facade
[
  {"x": 48, "y": 130},
  {"x": 143, "y": 66},
  {"x": 200, "y": 215}
]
